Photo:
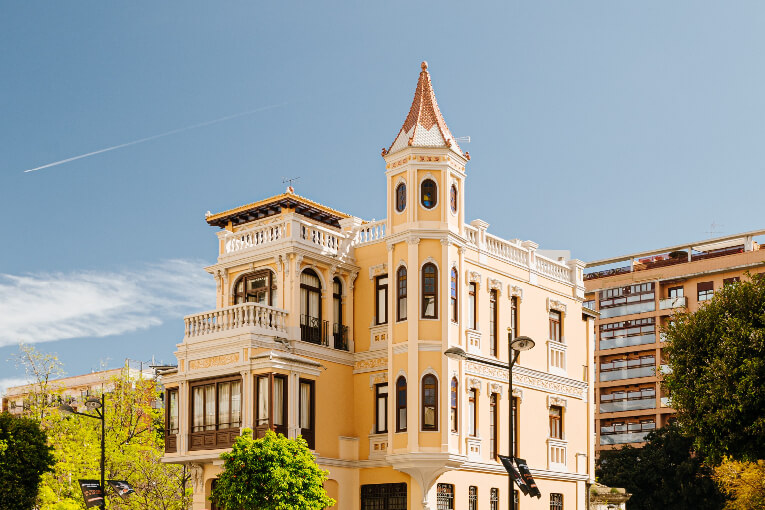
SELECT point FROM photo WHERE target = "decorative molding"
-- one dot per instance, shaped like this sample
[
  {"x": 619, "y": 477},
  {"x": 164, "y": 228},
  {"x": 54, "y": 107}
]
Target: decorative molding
[
  {"x": 352, "y": 279},
  {"x": 430, "y": 260},
  {"x": 515, "y": 291},
  {"x": 552, "y": 400},
  {"x": 445, "y": 241},
  {"x": 375, "y": 379},
  {"x": 370, "y": 364},
  {"x": 494, "y": 284},
  {"x": 377, "y": 270},
  {"x": 530, "y": 379},
  {"x": 518, "y": 393},
  {"x": 554, "y": 304},
  {"x": 413, "y": 240},
  {"x": 429, "y": 346},
  {"x": 473, "y": 341},
  {"x": 298, "y": 263},
  {"x": 214, "y": 361},
  {"x": 495, "y": 388},
  {"x": 473, "y": 383},
  {"x": 390, "y": 245},
  {"x": 400, "y": 348},
  {"x": 473, "y": 277}
]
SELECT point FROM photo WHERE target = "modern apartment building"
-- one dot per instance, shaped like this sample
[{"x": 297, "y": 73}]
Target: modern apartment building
[
  {"x": 74, "y": 389},
  {"x": 335, "y": 328},
  {"x": 634, "y": 302}
]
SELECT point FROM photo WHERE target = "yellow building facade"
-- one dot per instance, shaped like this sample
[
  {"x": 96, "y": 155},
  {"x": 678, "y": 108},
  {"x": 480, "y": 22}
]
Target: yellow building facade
[{"x": 334, "y": 328}]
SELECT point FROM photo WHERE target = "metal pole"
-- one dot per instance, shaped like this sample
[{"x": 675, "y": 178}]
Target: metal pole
[{"x": 103, "y": 447}]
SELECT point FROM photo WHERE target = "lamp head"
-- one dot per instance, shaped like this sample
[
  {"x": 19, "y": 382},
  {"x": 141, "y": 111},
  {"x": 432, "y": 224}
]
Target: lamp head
[
  {"x": 66, "y": 409},
  {"x": 456, "y": 353},
  {"x": 522, "y": 343},
  {"x": 93, "y": 403}
]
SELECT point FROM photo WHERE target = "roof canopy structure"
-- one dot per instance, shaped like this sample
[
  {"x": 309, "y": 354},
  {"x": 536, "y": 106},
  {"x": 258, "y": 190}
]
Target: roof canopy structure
[{"x": 424, "y": 126}]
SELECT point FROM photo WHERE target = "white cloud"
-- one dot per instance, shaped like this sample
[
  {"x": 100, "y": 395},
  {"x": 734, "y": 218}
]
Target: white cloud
[
  {"x": 53, "y": 306},
  {"x": 9, "y": 382}
]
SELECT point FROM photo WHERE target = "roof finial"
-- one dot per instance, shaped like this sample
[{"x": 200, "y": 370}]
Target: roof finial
[{"x": 424, "y": 65}]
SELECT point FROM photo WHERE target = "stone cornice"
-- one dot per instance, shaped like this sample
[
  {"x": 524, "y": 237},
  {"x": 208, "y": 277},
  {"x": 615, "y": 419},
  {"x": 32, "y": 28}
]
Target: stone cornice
[{"x": 531, "y": 379}]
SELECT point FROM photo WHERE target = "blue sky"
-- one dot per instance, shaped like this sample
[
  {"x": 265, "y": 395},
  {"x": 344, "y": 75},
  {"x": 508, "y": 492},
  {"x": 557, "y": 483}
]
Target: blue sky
[{"x": 600, "y": 127}]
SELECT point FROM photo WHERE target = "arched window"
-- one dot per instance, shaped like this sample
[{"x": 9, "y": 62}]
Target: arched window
[
  {"x": 401, "y": 404},
  {"x": 453, "y": 198},
  {"x": 429, "y": 291},
  {"x": 453, "y": 294},
  {"x": 401, "y": 293},
  {"x": 453, "y": 404},
  {"x": 255, "y": 288},
  {"x": 428, "y": 194},
  {"x": 310, "y": 307},
  {"x": 429, "y": 402},
  {"x": 401, "y": 197}
]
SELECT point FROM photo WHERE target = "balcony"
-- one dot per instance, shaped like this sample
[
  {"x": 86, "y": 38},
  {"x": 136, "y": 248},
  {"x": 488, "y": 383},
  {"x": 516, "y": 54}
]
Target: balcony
[
  {"x": 621, "y": 433},
  {"x": 627, "y": 341},
  {"x": 340, "y": 336},
  {"x": 313, "y": 330},
  {"x": 627, "y": 405},
  {"x": 673, "y": 302},
  {"x": 246, "y": 318},
  {"x": 627, "y": 372},
  {"x": 623, "y": 438}
]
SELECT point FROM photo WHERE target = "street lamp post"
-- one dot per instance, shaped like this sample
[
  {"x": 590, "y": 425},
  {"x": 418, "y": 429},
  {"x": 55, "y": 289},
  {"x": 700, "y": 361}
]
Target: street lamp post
[
  {"x": 99, "y": 406},
  {"x": 515, "y": 345}
]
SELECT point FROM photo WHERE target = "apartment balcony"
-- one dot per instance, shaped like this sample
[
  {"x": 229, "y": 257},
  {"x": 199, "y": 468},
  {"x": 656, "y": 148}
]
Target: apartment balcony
[
  {"x": 623, "y": 438},
  {"x": 627, "y": 405},
  {"x": 243, "y": 318},
  {"x": 628, "y": 373},
  {"x": 627, "y": 341},
  {"x": 625, "y": 433},
  {"x": 673, "y": 302}
]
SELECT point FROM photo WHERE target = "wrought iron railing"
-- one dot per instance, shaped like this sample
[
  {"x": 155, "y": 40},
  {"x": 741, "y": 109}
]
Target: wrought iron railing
[
  {"x": 313, "y": 330},
  {"x": 340, "y": 336}
]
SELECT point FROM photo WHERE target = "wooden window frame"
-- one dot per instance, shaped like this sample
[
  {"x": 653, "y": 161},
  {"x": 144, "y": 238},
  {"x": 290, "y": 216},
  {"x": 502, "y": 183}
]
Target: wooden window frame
[
  {"x": 308, "y": 434},
  {"x": 310, "y": 332},
  {"x": 556, "y": 326},
  {"x": 434, "y": 427},
  {"x": 378, "y": 289},
  {"x": 472, "y": 497},
  {"x": 493, "y": 323},
  {"x": 672, "y": 292},
  {"x": 472, "y": 412},
  {"x": 400, "y": 198},
  {"x": 494, "y": 421},
  {"x": 401, "y": 294},
  {"x": 428, "y": 183},
  {"x": 453, "y": 293},
  {"x": 381, "y": 396},
  {"x": 433, "y": 293},
  {"x": 240, "y": 298},
  {"x": 556, "y": 422},
  {"x": 260, "y": 430},
  {"x": 454, "y": 405},
  {"x": 705, "y": 290},
  {"x": 401, "y": 403},
  {"x": 215, "y": 437},
  {"x": 171, "y": 437}
]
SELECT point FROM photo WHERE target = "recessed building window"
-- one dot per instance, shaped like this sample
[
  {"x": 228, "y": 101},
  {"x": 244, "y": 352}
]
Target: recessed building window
[
  {"x": 453, "y": 294},
  {"x": 401, "y": 197},
  {"x": 429, "y": 291},
  {"x": 445, "y": 496},
  {"x": 472, "y": 412},
  {"x": 705, "y": 291},
  {"x": 556, "y": 501},
  {"x": 472, "y": 497},
  {"x": 429, "y": 403},
  {"x": 556, "y": 422},
  {"x": 401, "y": 293},
  {"x": 381, "y": 300},
  {"x": 428, "y": 194},
  {"x": 255, "y": 288},
  {"x": 493, "y": 323},
  {"x": 381, "y": 408},
  {"x": 453, "y": 198},
  {"x": 401, "y": 404},
  {"x": 453, "y": 404}
]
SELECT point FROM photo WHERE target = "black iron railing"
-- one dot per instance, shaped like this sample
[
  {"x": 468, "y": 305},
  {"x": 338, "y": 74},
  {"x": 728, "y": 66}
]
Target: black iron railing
[{"x": 340, "y": 336}]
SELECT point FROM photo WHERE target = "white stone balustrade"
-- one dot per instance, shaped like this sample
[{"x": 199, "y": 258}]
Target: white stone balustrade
[
  {"x": 370, "y": 233},
  {"x": 324, "y": 238},
  {"x": 260, "y": 318},
  {"x": 252, "y": 237}
]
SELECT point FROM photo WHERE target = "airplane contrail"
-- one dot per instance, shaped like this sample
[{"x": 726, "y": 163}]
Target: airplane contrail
[{"x": 167, "y": 133}]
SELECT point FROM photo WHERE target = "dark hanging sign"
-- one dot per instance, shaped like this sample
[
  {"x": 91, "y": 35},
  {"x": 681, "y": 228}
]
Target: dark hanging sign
[
  {"x": 121, "y": 487},
  {"x": 514, "y": 474},
  {"x": 92, "y": 492},
  {"x": 526, "y": 474}
]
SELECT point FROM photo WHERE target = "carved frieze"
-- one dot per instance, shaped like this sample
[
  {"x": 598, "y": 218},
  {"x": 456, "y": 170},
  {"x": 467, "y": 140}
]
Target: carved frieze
[
  {"x": 552, "y": 400},
  {"x": 214, "y": 361},
  {"x": 473, "y": 277},
  {"x": 370, "y": 363},
  {"x": 554, "y": 304},
  {"x": 494, "y": 284},
  {"x": 528, "y": 381},
  {"x": 515, "y": 291},
  {"x": 378, "y": 270}
]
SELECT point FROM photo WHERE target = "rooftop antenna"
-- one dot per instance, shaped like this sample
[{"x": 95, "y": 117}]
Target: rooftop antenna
[
  {"x": 713, "y": 229},
  {"x": 290, "y": 189},
  {"x": 461, "y": 139}
]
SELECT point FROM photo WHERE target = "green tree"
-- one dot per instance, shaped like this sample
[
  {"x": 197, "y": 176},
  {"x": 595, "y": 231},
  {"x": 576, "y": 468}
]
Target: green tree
[
  {"x": 24, "y": 456},
  {"x": 134, "y": 449},
  {"x": 41, "y": 369},
  {"x": 272, "y": 473},
  {"x": 743, "y": 482},
  {"x": 663, "y": 474},
  {"x": 717, "y": 379}
]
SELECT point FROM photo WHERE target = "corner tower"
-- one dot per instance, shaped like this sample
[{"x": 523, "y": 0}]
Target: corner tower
[{"x": 425, "y": 168}]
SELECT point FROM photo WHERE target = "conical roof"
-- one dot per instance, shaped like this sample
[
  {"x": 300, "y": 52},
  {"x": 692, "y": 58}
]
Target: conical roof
[{"x": 424, "y": 126}]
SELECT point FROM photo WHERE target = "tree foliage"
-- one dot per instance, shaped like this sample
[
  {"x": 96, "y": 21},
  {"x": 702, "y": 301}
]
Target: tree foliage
[
  {"x": 717, "y": 379},
  {"x": 743, "y": 482},
  {"x": 663, "y": 474},
  {"x": 272, "y": 473},
  {"x": 41, "y": 368},
  {"x": 24, "y": 456}
]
